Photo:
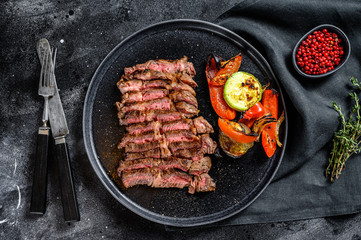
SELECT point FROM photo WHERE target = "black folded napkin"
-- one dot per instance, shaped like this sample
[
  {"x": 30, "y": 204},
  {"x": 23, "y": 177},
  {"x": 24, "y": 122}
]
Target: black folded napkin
[{"x": 300, "y": 189}]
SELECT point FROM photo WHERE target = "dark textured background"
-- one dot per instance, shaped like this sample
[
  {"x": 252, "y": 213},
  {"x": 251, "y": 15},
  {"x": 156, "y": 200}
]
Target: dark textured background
[{"x": 84, "y": 32}]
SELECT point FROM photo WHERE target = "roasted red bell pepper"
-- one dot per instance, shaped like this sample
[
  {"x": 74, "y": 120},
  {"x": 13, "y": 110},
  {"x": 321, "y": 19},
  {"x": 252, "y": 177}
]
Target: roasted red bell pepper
[
  {"x": 253, "y": 114},
  {"x": 236, "y": 131},
  {"x": 226, "y": 70},
  {"x": 270, "y": 103},
  {"x": 216, "y": 92},
  {"x": 219, "y": 104}
]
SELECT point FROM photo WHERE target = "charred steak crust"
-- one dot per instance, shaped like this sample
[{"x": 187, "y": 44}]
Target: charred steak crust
[{"x": 164, "y": 147}]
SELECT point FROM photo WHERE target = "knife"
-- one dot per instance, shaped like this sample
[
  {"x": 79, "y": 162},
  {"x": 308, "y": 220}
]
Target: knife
[{"x": 59, "y": 129}]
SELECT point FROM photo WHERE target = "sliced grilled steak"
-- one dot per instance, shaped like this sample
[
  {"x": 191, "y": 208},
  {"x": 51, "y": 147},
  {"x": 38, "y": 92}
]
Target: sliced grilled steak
[
  {"x": 156, "y": 178},
  {"x": 145, "y": 95},
  {"x": 187, "y": 109},
  {"x": 201, "y": 166},
  {"x": 184, "y": 96},
  {"x": 155, "y": 84},
  {"x": 138, "y": 177},
  {"x": 153, "y": 153},
  {"x": 147, "y": 116},
  {"x": 169, "y": 116},
  {"x": 139, "y": 128},
  {"x": 156, "y": 104},
  {"x": 138, "y": 85},
  {"x": 179, "y": 136},
  {"x": 175, "y": 146},
  {"x": 181, "y": 86},
  {"x": 142, "y": 147},
  {"x": 129, "y": 86},
  {"x": 194, "y": 154},
  {"x": 169, "y": 66},
  {"x": 147, "y": 75},
  {"x": 131, "y": 97},
  {"x": 162, "y": 164},
  {"x": 202, "y": 125},
  {"x": 141, "y": 138},
  {"x": 172, "y": 179},
  {"x": 187, "y": 79},
  {"x": 208, "y": 145},
  {"x": 183, "y": 124},
  {"x": 202, "y": 183}
]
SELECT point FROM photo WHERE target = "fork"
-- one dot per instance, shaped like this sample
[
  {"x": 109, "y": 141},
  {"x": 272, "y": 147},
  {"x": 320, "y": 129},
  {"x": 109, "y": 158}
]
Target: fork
[{"x": 46, "y": 89}]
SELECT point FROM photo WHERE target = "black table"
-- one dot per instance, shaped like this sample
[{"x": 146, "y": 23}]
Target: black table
[{"x": 84, "y": 32}]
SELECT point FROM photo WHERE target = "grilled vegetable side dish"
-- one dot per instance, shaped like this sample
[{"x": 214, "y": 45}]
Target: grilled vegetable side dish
[{"x": 242, "y": 92}]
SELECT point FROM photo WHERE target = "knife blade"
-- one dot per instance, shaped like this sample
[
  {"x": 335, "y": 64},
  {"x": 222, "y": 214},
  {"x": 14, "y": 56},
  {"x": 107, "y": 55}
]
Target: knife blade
[{"x": 59, "y": 129}]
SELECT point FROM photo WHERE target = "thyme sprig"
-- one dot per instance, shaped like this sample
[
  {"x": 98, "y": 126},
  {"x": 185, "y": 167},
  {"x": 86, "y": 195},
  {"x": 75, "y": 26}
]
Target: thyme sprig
[{"x": 347, "y": 140}]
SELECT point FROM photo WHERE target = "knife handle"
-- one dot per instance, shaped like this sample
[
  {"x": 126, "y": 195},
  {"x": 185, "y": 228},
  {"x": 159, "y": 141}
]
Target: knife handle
[
  {"x": 68, "y": 196},
  {"x": 38, "y": 195}
]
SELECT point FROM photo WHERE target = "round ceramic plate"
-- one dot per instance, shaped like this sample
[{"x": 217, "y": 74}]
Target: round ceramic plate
[{"x": 239, "y": 181}]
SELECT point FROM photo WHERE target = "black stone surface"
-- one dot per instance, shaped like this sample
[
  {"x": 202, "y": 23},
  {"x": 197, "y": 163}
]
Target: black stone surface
[{"x": 84, "y": 32}]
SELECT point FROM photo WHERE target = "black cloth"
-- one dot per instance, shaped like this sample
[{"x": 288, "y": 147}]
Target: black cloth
[{"x": 300, "y": 189}]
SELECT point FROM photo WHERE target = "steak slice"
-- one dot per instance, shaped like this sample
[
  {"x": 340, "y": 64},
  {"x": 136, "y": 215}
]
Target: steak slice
[
  {"x": 169, "y": 66},
  {"x": 142, "y": 147},
  {"x": 147, "y": 75},
  {"x": 139, "y": 128},
  {"x": 202, "y": 125},
  {"x": 162, "y": 164},
  {"x": 138, "y": 85},
  {"x": 148, "y": 116},
  {"x": 181, "y": 86},
  {"x": 179, "y": 136},
  {"x": 184, "y": 96},
  {"x": 145, "y": 95},
  {"x": 156, "y": 178},
  {"x": 138, "y": 177},
  {"x": 187, "y": 109},
  {"x": 208, "y": 145},
  {"x": 202, "y": 183},
  {"x": 187, "y": 79},
  {"x": 183, "y": 124},
  {"x": 129, "y": 86},
  {"x": 194, "y": 154},
  {"x": 141, "y": 138},
  {"x": 156, "y": 104},
  {"x": 153, "y": 153},
  {"x": 172, "y": 179},
  {"x": 201, "y": 166},
  {"x": 174, "y": 146}
]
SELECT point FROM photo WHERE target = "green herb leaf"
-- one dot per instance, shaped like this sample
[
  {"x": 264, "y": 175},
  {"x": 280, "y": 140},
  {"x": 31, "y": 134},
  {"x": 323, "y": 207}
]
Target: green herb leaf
[{"x": 347, "y": 140}]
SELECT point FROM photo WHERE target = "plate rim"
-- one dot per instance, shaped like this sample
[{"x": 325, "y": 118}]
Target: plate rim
[{"x": 98, "y": 166}]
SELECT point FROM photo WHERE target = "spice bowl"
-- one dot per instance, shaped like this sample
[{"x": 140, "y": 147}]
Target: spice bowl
[{"x": 321, "y": 51}]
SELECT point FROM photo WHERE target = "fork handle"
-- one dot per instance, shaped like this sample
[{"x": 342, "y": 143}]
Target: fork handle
[
  {"x": 68, "y": 196},
  {"x": 46, "y": 110},
  {"x": 38, "y": 196}
]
